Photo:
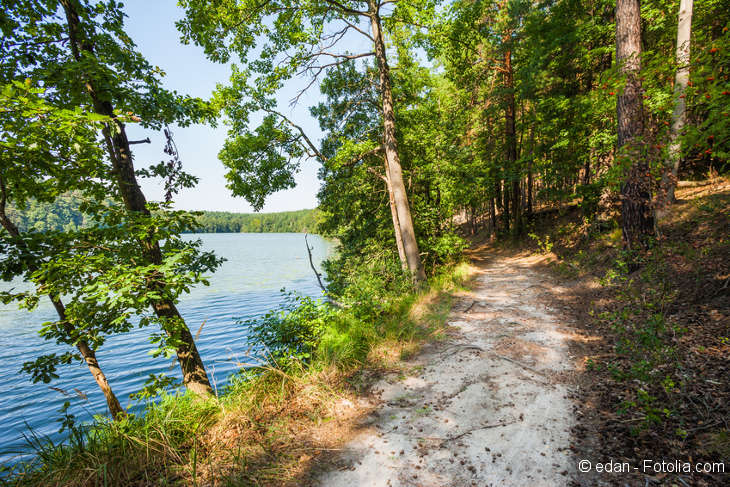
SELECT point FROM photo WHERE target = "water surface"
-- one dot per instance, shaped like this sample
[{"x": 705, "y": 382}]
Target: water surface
[{"x": 248, "y": 284}]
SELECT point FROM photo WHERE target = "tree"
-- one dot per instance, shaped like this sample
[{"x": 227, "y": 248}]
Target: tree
[
  {"x": 89, "y": 64},
  {"x": 83, "y": 49},
  {"x": 32, "y": 131},
  {"x": 637, "y": 220},
  {"x": 679, "y": 114},
  {"x": 302, "y": 38}
]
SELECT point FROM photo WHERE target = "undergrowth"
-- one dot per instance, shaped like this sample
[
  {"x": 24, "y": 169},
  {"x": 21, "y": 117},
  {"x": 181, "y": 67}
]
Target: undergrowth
[
  {"x": 656, "y": 347},
  {"x": 311, "y": 358}
]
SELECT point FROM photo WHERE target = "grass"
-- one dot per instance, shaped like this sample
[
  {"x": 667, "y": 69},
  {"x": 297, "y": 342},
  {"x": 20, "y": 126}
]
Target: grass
[
  {"x": 269, "y": 425},
  {"x": 656, "y": 348}
]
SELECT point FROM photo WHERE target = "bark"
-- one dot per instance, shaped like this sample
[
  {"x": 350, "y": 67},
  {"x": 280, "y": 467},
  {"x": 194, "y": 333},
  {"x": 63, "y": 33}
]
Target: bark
[
  {"x": 493, "y": 218},
  {"x": 669, "y": 177},
  {"x": 87, "y": 353},
  {"x": 511, "y": 137},
  {"x": 394, "y": 170},
  {"x": 529, "y": 187},
  {"x": 194, "y": 375},
  {"x": 396, "y": 223},
  {"x": 637, "y": 220},
  {"x": 89, "y": 357},
  {"x": 505, "y": 207},
  {"x": 529, "y": 173}
]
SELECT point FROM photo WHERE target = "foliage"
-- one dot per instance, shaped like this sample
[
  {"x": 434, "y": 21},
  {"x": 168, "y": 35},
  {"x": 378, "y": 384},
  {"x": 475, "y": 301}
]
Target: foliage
[
  {"x": 301, "y": 221},
  {"x": 177, "y": 435},
  {"x": 545, "y": 69},
  {"x": 289, "y": 335},
  {"x": 69, "y": 84},
  {"x": 64, "y": 214}
]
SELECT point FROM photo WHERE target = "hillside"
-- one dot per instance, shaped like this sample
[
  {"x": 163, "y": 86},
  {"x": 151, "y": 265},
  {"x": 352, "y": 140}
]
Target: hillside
[{"x": 64, "y": 214}]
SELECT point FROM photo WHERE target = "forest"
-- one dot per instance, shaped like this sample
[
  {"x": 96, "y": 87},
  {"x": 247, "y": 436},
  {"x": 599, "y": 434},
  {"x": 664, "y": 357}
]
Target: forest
[
  {"x": 590, "y": 139},
  {"x": 63, "y": 214}
]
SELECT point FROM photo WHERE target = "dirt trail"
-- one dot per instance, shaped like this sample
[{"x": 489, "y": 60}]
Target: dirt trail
[{"x": 486, "y": 407}]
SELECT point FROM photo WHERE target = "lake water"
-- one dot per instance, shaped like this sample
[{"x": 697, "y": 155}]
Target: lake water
[{"x": 247, "y": 285}]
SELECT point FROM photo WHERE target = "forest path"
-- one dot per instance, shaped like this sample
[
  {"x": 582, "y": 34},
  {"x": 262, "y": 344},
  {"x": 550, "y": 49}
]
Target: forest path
[{"x": 488, "y": 406}]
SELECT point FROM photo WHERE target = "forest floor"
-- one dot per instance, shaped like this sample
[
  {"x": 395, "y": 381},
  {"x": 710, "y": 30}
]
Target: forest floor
[
  {"x": 547, "y": 361},
  {"x": 490, "y": 404}
]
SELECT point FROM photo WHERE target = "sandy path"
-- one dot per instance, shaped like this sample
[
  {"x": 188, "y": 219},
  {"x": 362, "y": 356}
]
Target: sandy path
[{"x": 485, "y": 407}]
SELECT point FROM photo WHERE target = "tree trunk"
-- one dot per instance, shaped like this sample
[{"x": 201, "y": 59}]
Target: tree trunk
[
  {"x": 498, "y": 196},
  {"x": 637, "y": 221},
  {"x": 396, "y": 223},
  {"x": 195, "y": 378},
  {"x": 505, "y": 207},
  {"x": 395, "y": 173},
  {"x": 511, "y": 136},
  {"x": 529, "y": 188},
  {"x": 86, "y": 352},
  {"x": 529, "y": 173},
  {"x": 89, "y": 356},
  {"x": 669, "y": 177},
  {"x": 493, "y": 218}
]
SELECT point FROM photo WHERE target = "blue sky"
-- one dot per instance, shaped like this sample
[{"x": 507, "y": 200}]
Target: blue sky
[{"x": 151, "y": 23}]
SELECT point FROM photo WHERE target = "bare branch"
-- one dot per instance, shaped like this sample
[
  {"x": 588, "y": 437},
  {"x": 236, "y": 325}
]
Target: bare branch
[
  {"x": 311, "y": 264},
  {"x": 358, "y": 29},
  {"x": 336, "y": 37},
  {"x": 144, "y": 141},
  {"x": 299, "y": 129},
  {"x": 343, "y": 59}
]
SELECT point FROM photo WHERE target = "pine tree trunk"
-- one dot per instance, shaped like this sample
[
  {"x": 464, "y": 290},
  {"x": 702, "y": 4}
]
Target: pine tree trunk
[
  {"x": 395, "y": 173},
  {"x": 511, "y": 136},
  {"x": 529, "y": 188},
  {"x": 89, "y": 356},
  {"x": 195, "y": 378},
  {"x": 505, "y": 207},
  {"x": 529, "y": 173},
  {"x": 669, "y": 177},
  {"x": 637, "y": 220}
]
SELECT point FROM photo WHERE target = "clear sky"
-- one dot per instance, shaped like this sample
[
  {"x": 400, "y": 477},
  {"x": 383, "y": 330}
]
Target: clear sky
[{"x": 151, "y": 23}]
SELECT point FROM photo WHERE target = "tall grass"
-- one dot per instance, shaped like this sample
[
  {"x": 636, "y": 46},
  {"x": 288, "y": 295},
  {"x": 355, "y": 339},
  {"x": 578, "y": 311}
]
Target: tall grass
[{"x": 251, "y": 434}]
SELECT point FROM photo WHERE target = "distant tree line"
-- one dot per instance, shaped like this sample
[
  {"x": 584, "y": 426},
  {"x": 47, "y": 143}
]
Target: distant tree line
[
  {"x": 286, "y": 221},
  {"x": 63, "y": 214}
]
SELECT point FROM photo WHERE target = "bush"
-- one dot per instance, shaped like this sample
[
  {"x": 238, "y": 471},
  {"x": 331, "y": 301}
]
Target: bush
[{"x": 290, "y": 334}]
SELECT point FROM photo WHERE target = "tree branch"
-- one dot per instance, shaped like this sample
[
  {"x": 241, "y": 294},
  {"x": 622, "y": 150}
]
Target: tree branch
[
  {"x": 358, "y": 29},
  {"x": 311, "y": 264},
  {"x": 303, "y": 134},
  {"x": 348, "y": 10},
  {"x": 143, "y": 141}
]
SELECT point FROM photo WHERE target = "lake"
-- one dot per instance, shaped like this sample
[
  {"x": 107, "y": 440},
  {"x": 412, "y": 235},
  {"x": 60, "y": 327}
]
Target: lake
[{"x": 248, "y": 284}]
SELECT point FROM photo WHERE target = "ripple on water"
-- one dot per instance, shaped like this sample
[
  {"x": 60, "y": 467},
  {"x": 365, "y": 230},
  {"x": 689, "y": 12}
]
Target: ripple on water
[{"x": 246, "y": 286}]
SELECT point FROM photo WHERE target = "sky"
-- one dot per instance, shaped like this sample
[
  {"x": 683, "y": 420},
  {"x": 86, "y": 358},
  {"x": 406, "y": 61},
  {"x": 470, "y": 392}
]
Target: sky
[{"x": 151, "y": 23}]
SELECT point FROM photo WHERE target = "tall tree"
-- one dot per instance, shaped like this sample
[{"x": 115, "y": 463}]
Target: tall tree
[
  {"x": 510, "y": 134},
  {"x": 392, "y": 159},
  {"x": 36, "y": 133},
  {"x": 679, "y": 114},
  {"x": 83, "y": 48},
  {"x": 87, "y": 62},
  {"x": 302, "y": 39},
  {"x": 637, "y": 220}
]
